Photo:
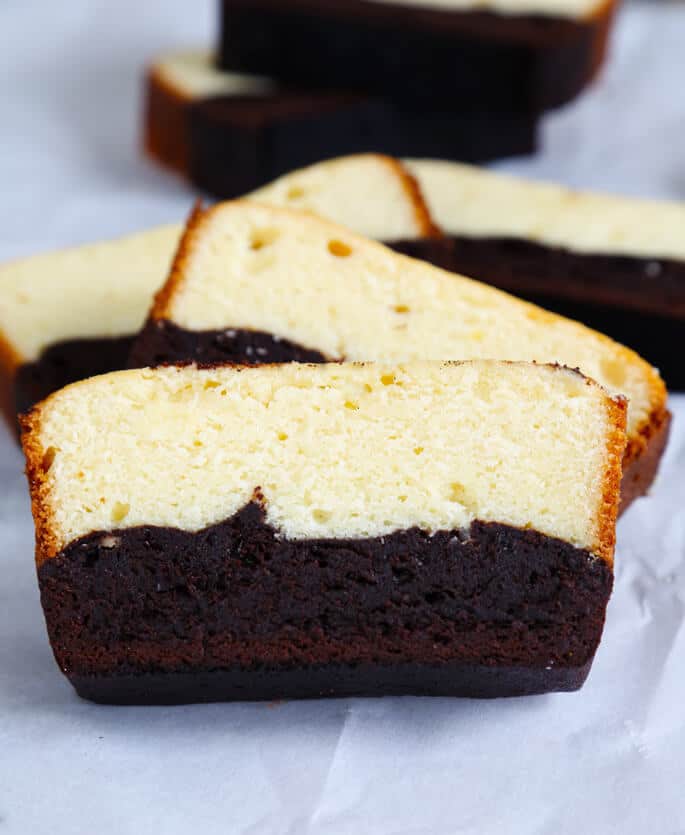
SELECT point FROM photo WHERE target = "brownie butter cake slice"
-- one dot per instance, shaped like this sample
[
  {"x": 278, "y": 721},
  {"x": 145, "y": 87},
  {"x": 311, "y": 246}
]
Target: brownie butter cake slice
[
  {"x": 310, "y": 530},
  {"x": 68, "y": 315},
  {"x": 617, "y": 264},
  {"x": 229, "y": 133},
  {"x": 255, "y": 284},
  {"x": 501, "y": 55}
]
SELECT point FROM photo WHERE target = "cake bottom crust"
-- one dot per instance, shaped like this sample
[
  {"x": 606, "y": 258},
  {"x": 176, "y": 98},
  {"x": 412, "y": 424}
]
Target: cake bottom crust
[
  {"x": 235, "y": 611},
  {"x": 328, "y": 681}
]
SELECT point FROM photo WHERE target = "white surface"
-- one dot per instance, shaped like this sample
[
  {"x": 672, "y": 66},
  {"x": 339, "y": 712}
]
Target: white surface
[{"x": 610, "y": 759}]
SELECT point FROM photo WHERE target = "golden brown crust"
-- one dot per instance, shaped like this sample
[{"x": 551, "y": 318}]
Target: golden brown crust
[
  {"x": 640, "y": 472},
  {"x": 38, "y": 462},
  {"x": 163, "y": 296},
  {"x": 426, "y": 226},
  {"x": 617, "y": 410},
  {"x": 9, "y": 363},
  {"x": 166, "y": 122}
]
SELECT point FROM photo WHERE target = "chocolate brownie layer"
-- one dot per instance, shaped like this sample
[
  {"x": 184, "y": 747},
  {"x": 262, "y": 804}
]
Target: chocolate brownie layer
[
  {"x": 162, "y": 342},
  {"x": 640, "y": 302},
  {"x": 64, "y": 363},
  {"x": 237, "y": 144},
  {"x": 493, "y": 611},
  {"x": 482, "y": 59}
]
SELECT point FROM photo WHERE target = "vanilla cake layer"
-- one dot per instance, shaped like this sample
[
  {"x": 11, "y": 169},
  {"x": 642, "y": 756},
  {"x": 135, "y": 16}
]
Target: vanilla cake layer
[
  {"x": 251, "y": 281},
  {"x": 467, "y": 201},
  {"x": 516, "y": 56},
  {"x": 229, "y": 133},
  {"x": 422, "y": 527},
  {"x": 72, "y": 314}
]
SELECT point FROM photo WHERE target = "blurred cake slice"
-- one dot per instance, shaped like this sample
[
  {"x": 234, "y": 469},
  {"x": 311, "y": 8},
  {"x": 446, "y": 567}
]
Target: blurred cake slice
[{"x": 229, "y": 133}]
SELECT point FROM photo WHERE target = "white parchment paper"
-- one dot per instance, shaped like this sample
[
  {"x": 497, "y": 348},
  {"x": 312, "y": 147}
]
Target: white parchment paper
[{"x": 610, "y": 759}]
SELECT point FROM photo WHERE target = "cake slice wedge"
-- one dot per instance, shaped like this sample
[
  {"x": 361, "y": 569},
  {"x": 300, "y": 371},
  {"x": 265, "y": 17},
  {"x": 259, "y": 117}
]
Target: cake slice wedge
[
  {"x": 253, "y": 283},
  {"x": 324, "y": 530}
]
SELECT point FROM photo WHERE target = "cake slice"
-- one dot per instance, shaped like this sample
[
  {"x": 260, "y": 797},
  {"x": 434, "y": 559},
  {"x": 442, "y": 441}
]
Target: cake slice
[
  {"x": 325, "y": 530},
  {"x": 72, "y": 314},
  {"x": 254, "y": 284},
  {"x": 517, "y": 56},
  {"x": 615, "y": 263},
  {"x": 229, "y": 133}
]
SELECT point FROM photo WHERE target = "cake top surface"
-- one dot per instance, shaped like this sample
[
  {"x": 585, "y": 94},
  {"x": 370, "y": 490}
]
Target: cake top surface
[
  {"x": 467, "y": 200},
  {"x": 371, "y": 193},
  {"x": 97, "y": 290},
  {"x": 191, "y": 74},
  {"x": 246, "y": 266},
  {"x": 349, "y": 451},
  {"x": 547, "y": 8}
]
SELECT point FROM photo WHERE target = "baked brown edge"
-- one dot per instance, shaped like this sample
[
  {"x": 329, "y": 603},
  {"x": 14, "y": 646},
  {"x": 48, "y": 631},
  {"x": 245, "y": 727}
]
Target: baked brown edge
[
  {"x": 427, "y": 227},
  {"x": 9, "y": 363},
  {"x": 166, "y": 128}
]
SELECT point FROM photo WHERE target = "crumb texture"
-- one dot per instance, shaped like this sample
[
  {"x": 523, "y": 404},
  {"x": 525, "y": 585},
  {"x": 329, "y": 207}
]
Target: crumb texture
[
  {"x": 351, "y": 451},
  {"x": 247, "y": 266}
]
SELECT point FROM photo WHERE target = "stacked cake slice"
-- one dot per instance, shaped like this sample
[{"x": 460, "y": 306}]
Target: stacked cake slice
[{"x": 339, "y": 470}]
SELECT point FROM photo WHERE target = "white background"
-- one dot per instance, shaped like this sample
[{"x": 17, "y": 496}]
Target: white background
[{"x": 610, "y": 759}]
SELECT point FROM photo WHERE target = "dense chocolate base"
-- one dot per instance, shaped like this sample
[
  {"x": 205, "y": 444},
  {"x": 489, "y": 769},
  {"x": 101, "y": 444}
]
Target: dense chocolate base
[
  {"x": 235, "y": 612},
  {"x": 162, "y": 342},
  {"x": 238, "y": 144},
  {"x": 640, "y": 302},
  {"x": 64, "y": 363},
  {"x": 477, "y": 60}
]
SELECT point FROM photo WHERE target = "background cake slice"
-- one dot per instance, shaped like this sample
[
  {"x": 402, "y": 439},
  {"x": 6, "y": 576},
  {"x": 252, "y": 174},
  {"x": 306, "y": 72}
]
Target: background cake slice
[
  {"x": 517, "y": 56},
  {"x": 254, "y": 284},
  {"x": 71, "y": 314},
  {"x": 304, "y": 530},
  {"x": 615, "y": 263},
  {"x": 229, "y": 133}
]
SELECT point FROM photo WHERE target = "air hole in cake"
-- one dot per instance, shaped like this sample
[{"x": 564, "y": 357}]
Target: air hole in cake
[
  {"x": 259, "y": 238},
  {"x": 388, "y": 379},
  {"x": 120, "y": 511},
  {"x": 212, "y": 384},
  {"x": 49, "y": 457},
  {"x": 339, "y": 249},
  {"x": 368, "y": 388},
  {"x": 321, "y": 516},
  {"x": 418, "y": 450},
  {"x": 282, "y": 436},
  {"x": 401, "y": 308},
  {"x": 614, "y": 371},
  {"x": 349, "y": 404},
  {"x": 295, "y": 193}
]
